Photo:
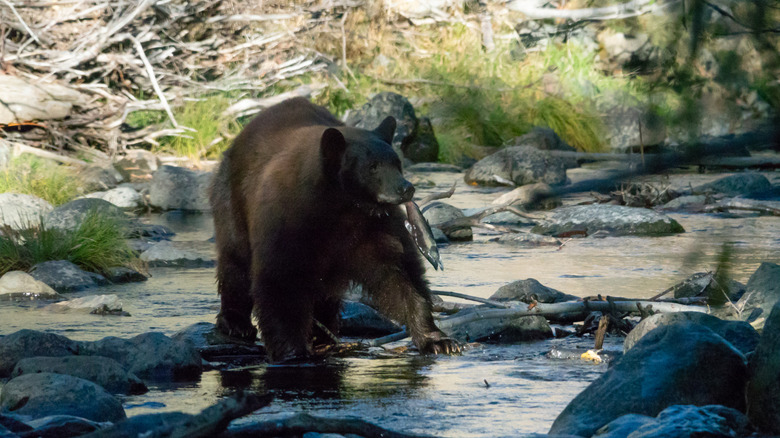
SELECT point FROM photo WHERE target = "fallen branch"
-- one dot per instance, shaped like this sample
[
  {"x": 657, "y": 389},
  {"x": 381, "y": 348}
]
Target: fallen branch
[
  {"x": 299, "y": 424},
  {"x": 19, "y": 149},
  {"x": 491, "y": 303},
  {"x": 475, "y": 220},
  {"x": 156, "y": 85},
  {"x": 441, "y": 195}
]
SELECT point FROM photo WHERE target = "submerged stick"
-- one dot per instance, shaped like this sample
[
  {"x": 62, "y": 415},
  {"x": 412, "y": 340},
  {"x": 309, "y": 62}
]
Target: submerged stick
[{"x": 299, "y": 424}]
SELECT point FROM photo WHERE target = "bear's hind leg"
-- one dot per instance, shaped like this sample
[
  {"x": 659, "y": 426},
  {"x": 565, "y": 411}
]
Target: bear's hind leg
[{"x": 235, "y": 314}]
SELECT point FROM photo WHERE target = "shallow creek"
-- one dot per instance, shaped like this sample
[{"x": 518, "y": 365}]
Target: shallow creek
[{"x": 490, "y": 390}]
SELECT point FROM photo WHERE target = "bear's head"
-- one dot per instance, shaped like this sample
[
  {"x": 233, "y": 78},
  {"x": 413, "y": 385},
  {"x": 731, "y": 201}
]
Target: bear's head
[{"x": 364, "y": 165}]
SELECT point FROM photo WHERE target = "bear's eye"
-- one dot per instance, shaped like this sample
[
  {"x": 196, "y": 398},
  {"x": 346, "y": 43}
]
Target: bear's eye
[{"x": 373, "y": 168}]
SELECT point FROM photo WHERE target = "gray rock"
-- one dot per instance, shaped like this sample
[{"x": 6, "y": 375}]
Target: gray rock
[
  {"x": 622, "y": 126},
  {"x": 524, "y": 329},
  {"x": 433, "y": 167},
  {"x": 761, "y": 293},
  {"x": 519, "y": 164},
  {"x": 211, "y": 343},
  {"x": 103, "y": 371},
  {"x": 618, "y": 220},
  {"x": 16, "y": 285},
  {"x": 544, "y": 139},
  {"x": 526, "y": 240},
  {"x": 763, "y": 389},
  {"x": 423, "y": 146},
  {"x": 123, "y": 197},
  {"x": 534, "y": 196},
  {"x": 358, "y": 319},
  {"x": 9, "y": 423},
  {"x": 739, "y": 334},
  {"x": 25, "y": 100},
  {"x": 30, "y": 343},
  {"x": 738, "y": 184},
  {"x": 137, "y": 165},
  {"x": 22, "y": 211},
  {"x": 506, "y": 218},
  {"x": 121, "y": 274},
  {"x": 179, "y": 255},
  {"x": 46, "y": 394},
  {"x": 439, "y": 212},
  {"x": 676, "y": 364},
  {"x": 64, "y": 276},
  {"x": 688, "y": 203},
  {"x": 97, "y": 178},
  {"x": 530, "y": 290},
  {"x": 373, "y": 112},
  {"x": 92, "y": 304},
  {"x": 146, "y": 425},
  {"x": 64, "y": 426},
  {"x": 703, "y": 284},
  {"x": 148, "y": 355},
  {"x": 177, "y": 188},
  {"x": 70, "y": 216},
  {"x": 681, "y": 421},
  {"x": 150, "y": 231}
]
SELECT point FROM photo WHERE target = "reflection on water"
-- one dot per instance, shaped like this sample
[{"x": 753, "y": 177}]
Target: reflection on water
[{"x": 445, "y": 396}]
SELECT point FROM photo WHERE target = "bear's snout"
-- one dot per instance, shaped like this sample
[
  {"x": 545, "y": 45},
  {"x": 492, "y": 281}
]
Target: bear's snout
[{"x": 406, "y": 191}]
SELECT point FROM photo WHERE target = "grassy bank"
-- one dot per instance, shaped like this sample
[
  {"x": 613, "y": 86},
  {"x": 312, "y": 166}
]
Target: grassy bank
[{"x": 45, "y": 179}]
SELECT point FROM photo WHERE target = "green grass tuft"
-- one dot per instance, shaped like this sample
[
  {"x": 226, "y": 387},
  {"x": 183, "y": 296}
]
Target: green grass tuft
[
  {"x": 96, "y": 245},
  {"x": 35, "y": 176}
]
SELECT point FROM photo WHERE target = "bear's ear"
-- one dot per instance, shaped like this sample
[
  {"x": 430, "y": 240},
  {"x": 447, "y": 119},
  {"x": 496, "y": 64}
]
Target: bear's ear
[
  {"x": 386, "y": 130},
  {"x": 332, "y": 147}
]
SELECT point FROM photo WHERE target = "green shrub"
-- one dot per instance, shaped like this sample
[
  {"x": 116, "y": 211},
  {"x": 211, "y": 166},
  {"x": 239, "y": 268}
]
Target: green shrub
[
  {"x": 35, "y": 176},
  {"x": 96, "y": 245}
]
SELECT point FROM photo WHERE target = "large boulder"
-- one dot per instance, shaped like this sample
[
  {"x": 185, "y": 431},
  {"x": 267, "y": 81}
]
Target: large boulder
[
  {"x": 678, "y": 364},
  {"x": 68, "y": 217},
  {"x": 413, "y": 139},
  {"x": 148, "y": 355},
  {"x": 437, "y": 213},
  {"x": 738, "y": 184},
  {"x": 520, "y": 165},
  {"x": 530, "y": 290},
  {"x": 617, "y": 220},
  {"x": 681, "y": 421},
  {"x": 96, "y": 178},
  {"x": 137, "y": 165},
  {"x": 103, "y": 371},
  {"x": 123, "y": 197},
  {"x": 761, "y": 293},
  {"x": 738, "y": 333},
  {"x": 21, "y": 285},
  {"x": 64, "y": 276},
  {"x": 30, "y": 343},
  {"x": 525, "y": 329},
  {"x": 763, "y": 389},
  {"x": 44, "y": 394},
  {"x": 706, "y": 284},
  {"x": 22, "y": 211},
  {"x": 177, "y": 188}
]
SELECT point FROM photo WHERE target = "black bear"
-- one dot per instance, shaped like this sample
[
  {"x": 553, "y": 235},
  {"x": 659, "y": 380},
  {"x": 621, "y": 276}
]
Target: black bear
[{"x": 303, "y": 205}]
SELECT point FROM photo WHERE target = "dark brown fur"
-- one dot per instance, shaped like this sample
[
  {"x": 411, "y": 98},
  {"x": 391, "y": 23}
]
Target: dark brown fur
[{"x": 291, "y": 236}]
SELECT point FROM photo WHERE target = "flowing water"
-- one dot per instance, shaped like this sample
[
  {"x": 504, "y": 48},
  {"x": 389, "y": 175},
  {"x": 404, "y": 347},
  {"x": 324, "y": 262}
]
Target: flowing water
[{"x": 488, "y": 391}]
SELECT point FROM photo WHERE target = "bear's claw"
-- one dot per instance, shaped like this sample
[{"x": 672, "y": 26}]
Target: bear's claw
[
  {"x": 246, "y": 332},
  {"x": 439, "y": 343}
]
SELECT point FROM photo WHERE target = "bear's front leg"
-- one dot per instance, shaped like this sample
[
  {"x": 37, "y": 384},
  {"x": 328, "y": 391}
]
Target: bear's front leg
[{"x": 285, "y": 316}]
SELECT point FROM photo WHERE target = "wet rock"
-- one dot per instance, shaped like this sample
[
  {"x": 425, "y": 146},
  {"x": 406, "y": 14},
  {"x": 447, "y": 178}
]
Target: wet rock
[
  {"x": 526, "y": 240},
  {"x": 177, "y": 188},
  {"x": 150, "y": 231},
  {"x": 423, "y": 146},
  {"x": 92, "y": 304},
  {"x": 433, "y": 167},
  {"x": 25, "y": 100},
  {"x": 68, "y": 217},
  {"x": 617, "y": 220},
  {"x": 747, "y": 206},
  {"x": 22, "y": 211},
  {"x": 530, "y": 290},
  {"x": 688, "y": 203},
  {"x": 18, "y": 285},
  {"x": 123, "y": 197},
  {"x": 439, "y": 212},
  {"x": 179, "y": 255},
  {"x": 121, "y": 274},
  {"x": 542, "y": 138},
  {"x": 439, "y": 236},
  {"x": 211, "y": 343},
  {"x": 704, "y": 284},
  {"x": 763, "y": 389},
  {"x": 143, "y": 425},
  {"x": 525, "y": 329},
  {"x": 137, "y": 165},
  {"x": 10, "y": 424},
  {"x": 539, "y": 196},
  {"x": 30, "y": 343},
  {"x": 103, "y": 371},
  {"x": 64, "y": 426},
  {"x": 739, "y": 184},
  {"x": 358, "y": 319},
  {"x": 504, "y": 218},
  {"x": 64, "y": 276},
  {"x": 677, "y": 364},
  {"x": 520, "y": 165},
  {"x": 98, "y": 178},
  {"x": 149, "y": 355},
  {"x": 681, "y": 421},
  {"x": 761, "y": 293},
  {"x": 739, "y": 334},
  {"x": 45, "y": 394}
]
